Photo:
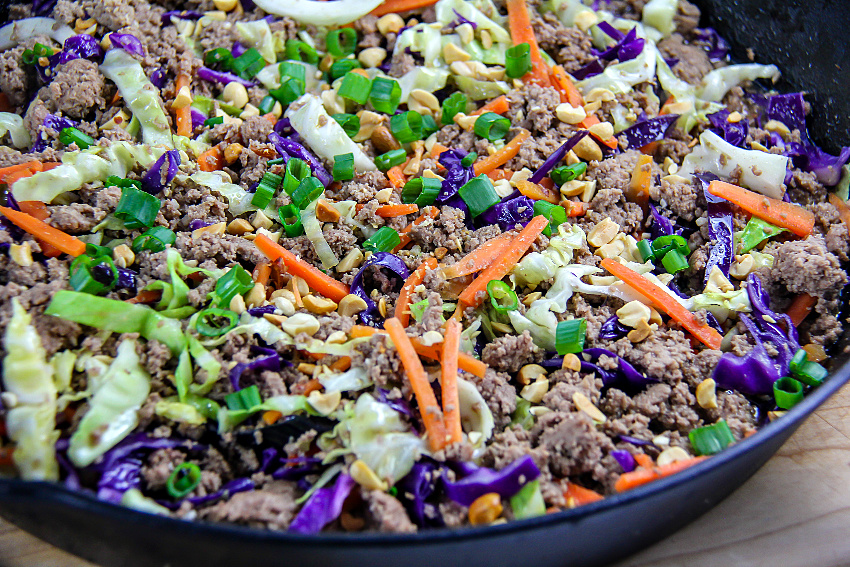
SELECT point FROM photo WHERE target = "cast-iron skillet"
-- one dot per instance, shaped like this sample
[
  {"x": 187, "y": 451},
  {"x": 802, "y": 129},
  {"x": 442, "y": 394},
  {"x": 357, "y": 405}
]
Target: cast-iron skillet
[{"x": 806, "y": 38}]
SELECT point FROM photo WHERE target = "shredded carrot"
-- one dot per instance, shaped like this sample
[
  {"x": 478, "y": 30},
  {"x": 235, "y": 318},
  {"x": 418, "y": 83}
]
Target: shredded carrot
[
  {"x": 786, "y": 215},
  {"x": 262, "y": 272},
  {"x": 146, "y": 296},
  {"x": 574, "y": 208},
  {"x": 317, "y": 280},
  {"x": 562, "y": 82},
  {"x": 592, "y": 120},
  {"x": 391, "y": 211},
  {"x": 396, "y": 176},
  {"x": 576, "y": 495},
  {"x": 503, "y": 156},
  {"x": 12, "y": 173},
  {"x": 522, "y": 32},
  {"x": 432, "y": 415},
  {"x": 211, "y": 160},
  {"x": 183, "y": 116},
  {"x": 35, "y": 209},
  {"x": 479, "y": 258},
  {"x": 270, "y": 117},
  {"x": 537, "y": 192},
  {"x": 474, "y": 294},
  {"x": 641, "y": 476},
  {"x": 498, "y": 105},
  {"x": 361, "y": 331},
  {"x": 311, "y": 386},
  {"x": 498, "y": 174},
  {"x": 428, "y": 213},
  {"x": 800, "y": 308},
  {"x": 644, "y": 460},
  {"x": 43, "y": 231},
  {"x": 437, "y": 149},
  {"x": 342, "y": 364},
  {"x": 650, "y": 148},
  {"x": 402, "y": 311},
  {"x": 115, "y": 99},
  {"x": 843, "y": 209},
  {"x": 448, "y": 382},
  {"x": 270, "y": 417},
  {"x": 638, "y": 190},
  {"x": 663, "y": 301},
  {"x": 390, "y": 6}
]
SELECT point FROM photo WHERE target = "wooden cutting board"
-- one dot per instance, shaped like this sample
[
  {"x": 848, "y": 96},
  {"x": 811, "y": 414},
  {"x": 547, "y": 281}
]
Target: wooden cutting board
[{"x": 795, "y": 512}]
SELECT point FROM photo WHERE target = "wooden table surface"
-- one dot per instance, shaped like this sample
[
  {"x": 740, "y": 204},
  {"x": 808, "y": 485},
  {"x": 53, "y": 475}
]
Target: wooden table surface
[{"x": 794, "y": 512}]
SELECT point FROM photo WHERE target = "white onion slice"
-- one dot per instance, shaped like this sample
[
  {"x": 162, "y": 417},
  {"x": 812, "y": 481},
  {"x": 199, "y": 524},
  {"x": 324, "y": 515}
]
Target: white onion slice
[
  {"x": 14, "y": 33},
  {"x": 336, "y": 13}
]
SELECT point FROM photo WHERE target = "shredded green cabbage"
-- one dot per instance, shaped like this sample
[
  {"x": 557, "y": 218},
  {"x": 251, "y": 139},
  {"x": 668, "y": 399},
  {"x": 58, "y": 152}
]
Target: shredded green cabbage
[
  {"x": 14, "y": 125},
  {"x": 336, "y": 13},
  {"x": 537, "y": 267},
  {"x": 717, "y": 83},
  {"x": 621, "y": 77},
  {"x": 258, "y": 35},
  {"x": 77, "y": 168},
  {"x": 659, "y": 14},
  {"x": 475, "y": 416},
  {"x": 313, "y": 230}
]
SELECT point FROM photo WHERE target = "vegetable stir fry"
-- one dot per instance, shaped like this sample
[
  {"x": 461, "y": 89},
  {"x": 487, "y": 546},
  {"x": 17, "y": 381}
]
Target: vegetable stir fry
[{"x": 396, "y": 265}]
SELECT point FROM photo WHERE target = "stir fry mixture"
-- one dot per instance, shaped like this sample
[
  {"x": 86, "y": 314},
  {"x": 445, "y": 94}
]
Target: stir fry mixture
[{"x": 402, "y": 264}]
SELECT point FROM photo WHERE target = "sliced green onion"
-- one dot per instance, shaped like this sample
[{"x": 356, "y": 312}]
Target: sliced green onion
[
  {"x": 245, "y": 399},
  {"x": 645, "y": 249},
  {"x": 800, "y": 357},
  {"x": 39, "y": 50},
  {"x": 115, "y": 181},
  {"x": 556, "y": 215},
  {"x": 263, "y": 195},
  {"x": 289, "y": 91},
  {"x": 566, "y": 173},
  {"x": 787, "y": 392},
  {"x": 343, "y": 66},
  {"x": 293, "y": 70},
  {"x": 810, "y": 373},
  {"x": 154, "y": 240},
  {"x": 502, "y": 297},
  {"x": 219, "y": 57},
  {"x": 84, "y": 278},
  {"x": 406, "y": 126},
  {"x": 300, "y": 51},
  {"x": 266, "y": 105},
  {"x": 297, "y": 171},
  {"x": 95, "y": 250},
  {"x": 276, "y": 161},
  {"x": 350, "y": 123},
  {"x": 390, "y": 159},
  {"x": 341, "y": 42},
  {"x": 491, "y": 126},
  {"x": 249, "y": 64},
  {"x": 469, "y": 159},
  {"x": 137, "y": 208},
  {"x": 663, "y": 244},
  {"x": 214, "y": 121},
  {"x": 207, "y": 407},
  {"x": 355, "y": 87},
  {"x": 429, "y": 125},
  {"x": 756, "y": 232},
  {"x": 235, "y": 282},
  {"x": 71, "y": 135},
  {"x": 569, "y": 336},
  {"x": 382, "y": 241},
  {"x": 422, "y": 191},
  {"x": 386, "y": 95},
  {"x": 343, "y": 167},
  {"x": 183, "y": 480},
  {"x": 457, "y": 102},
  {"x": 214, "y": 322},
  {"x": 674, "y": 262},
  {"x": 479, "y": 195},
  {"x": 308, "y": 191},
  {"x": 290, "y": 218},
  {"x": 518, "y": 60},
  {"x": 711, "y": 439}
]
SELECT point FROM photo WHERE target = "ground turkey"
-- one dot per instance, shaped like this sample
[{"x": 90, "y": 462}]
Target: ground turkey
[
  {"x": 77, "y": 88},
  {"x": 511, "y": 352},
  {"x": 273, "y": 507},
  {"x": 805, "y": 266}
]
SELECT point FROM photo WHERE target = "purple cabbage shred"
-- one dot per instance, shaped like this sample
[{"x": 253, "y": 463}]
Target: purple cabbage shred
[
  {"x": 612, "y": 329},
  {"x": 80, "y": 46},
  {"x": 733, "y": 132},
  {"x": 128, "y": 42},
  {"x": 415, "y": 489},
  {"x": 505, "y": 482},
  {"x": 222, "y": 77},
  {"x": 291, "y": 148},
  {"x": 323, "y": 507},
  {"x": 556, "y": 157},
  {"x": 383, "y": 260},
  {"x": 719, "y": 229},
  {"x": 155, "y": 180},
  {"x": 624, "y": 459},
  {"x": 648, "y": 131}
]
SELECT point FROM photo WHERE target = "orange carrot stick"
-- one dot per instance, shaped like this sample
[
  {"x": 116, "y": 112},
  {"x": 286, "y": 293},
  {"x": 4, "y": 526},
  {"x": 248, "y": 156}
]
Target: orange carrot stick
[
  {"x": 402, "y": 312},
  {"x": 317, "y": 280},
  {"x": 451, "y": 400},
  {"x": 342, "y": 364},
  {"x": 503, "y": 156},
  {"x": 262, "y": 273},
  {"x": 43, "y": 231},
  {"x": 787, "y": 215},
  {"x": 12, "y": 173},
  {"x": 498, "y": 174},
  {"x": 146, "y": 296},
  {"x": 800, "y": 308},
  {"x": 843, "y": 209},
  {"x": 390, "y": 6},
  {"x": 537, "y": 192},
  {"x": 638, "y": 190},
  {"x": 498, "y": 105},
  {"x": 390, "y": 211},
  {"x": 429, "y": 213},
  {"x": 211, "y": 160},
  {"x": 396, "y": 176},
  {"x": 522, "y": 32},
  {"x": 569, "y": 92},
  {"x": 474, "y": 294},
  {"x": 579, "y": 496},
  {"x": 183, "y": 116},
  {"x": 38, "y": 210},
  {"x": 574, "y": 209},
  {"x": 479, "y": 258},
  {"x": 641, "y": 476},
  {"x": 663, "y": 301},
  {"x": 432, "y": 415},
  {"x": 437, "y": 150}
]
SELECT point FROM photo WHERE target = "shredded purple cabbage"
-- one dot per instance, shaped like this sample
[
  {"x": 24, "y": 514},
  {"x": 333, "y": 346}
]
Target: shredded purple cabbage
[
  {"x": 117, "y": 480},
  {"x": 628, "y": 46},
  {"x": 509, "y": 213},
  {"x": 556, "y": 157},
  {"x": 155, "y": 180},
  {"x": 648, "y": 131},
  {"x": 733, "y": 132},
  {"x": 625, "y": 459},
  {"x": 126, "y": 278},
  {"x": 222, "y": 77},
  {"x": 636, "y": 442},
  {"x": 291, "y": 148},
  {"x": 719, "y": 229},
  {"x": 612, "y": 329},
  {"x": 297, "y": 468},
  {"x": 384, "y": 260},
  {"x": 237, "y": 49},
  {"x": 456, "y": 175},
  {"x": 661, "y": 225},
  {"x": 158, "y": 80},
  {"x": 592, "y": 69},
  {"x": 398, "y": 404},
  {"x": 505, "y": 482},
  {"x": 80, "y": 46},
  {"x": 415, "y": 489},
  {"x": 181, "y": 15},
  {"x": 260, "y": 311},
  {"x": 323, "y": 507},
  {"x": 247, "y": 5},
  {"x": 625, "y": 372},
  {"x": 460, "y": 21},
  {"x": 42, "y": 8},
  {"x": 268, "y": 362},
  {"x": 128, "y": 42},
  {"x": 718, "y": 49}
]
